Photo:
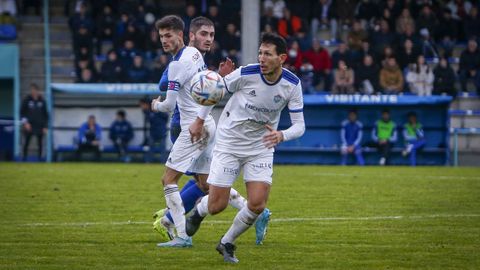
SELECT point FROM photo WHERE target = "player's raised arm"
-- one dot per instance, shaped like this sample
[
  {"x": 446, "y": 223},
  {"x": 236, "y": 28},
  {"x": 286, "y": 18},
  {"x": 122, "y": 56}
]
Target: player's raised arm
[{"x": 176, "y": 78}]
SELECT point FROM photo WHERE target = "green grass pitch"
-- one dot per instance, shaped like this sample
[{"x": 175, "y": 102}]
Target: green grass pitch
[{"x": 98, "y": 216}]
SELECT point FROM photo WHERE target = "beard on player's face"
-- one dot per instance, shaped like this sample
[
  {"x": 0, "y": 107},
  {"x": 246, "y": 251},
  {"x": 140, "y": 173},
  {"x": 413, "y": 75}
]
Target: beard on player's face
[
  {"x": 171, "y": 41},
  {"x": 201, "y": 45}
]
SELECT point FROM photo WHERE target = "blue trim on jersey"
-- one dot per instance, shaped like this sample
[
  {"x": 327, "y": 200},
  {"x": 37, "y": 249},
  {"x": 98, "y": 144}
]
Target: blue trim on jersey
[
  {"x": 163, "y": 83},
  {"x": 176, "y": 116},
  {"x": 173, "y": 85},
  {"x": 289, "y": 76},
  {"x": 249, "y": 70},
  {"x": 179, "y": 54},
  {"x": 268, "y": 83},
  {"x": 296, "y": 111}
]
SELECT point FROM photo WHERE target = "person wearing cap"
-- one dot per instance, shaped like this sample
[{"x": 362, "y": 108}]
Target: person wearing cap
[{"x": 414, "y": 138}]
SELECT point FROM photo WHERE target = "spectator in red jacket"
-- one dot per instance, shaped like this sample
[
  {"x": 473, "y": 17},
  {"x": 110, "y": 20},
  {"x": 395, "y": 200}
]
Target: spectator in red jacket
[
  {"x": 322, "y": 64},
  {"x": 294, "y": 60}
]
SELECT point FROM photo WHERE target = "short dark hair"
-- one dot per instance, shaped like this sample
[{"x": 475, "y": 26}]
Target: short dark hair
[
  {"x": 198, "y": 22},
  {"x": 145, "y": 99},
  {"x": 278, "y": 41},
  {"x": 34, "y": 86},
  {"x": 121, "y": 113},
  {"x": 411, "y": 113},
  {"x": 386, "y": 111},
  {"x": 170, "y": 22}
]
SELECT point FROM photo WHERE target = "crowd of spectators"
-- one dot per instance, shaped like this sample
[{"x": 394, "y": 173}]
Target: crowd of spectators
[
  {"x": 122, "y": 35},
  {"x": 388, "y": 46}
]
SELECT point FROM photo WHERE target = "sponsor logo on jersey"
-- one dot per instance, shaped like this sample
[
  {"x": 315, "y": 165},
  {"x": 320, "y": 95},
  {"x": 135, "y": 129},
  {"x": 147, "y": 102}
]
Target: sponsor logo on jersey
[
  {"x": 196, "y": 56},
  {"x": 257, "y": 109},
  {"x": 252, "y": 93},
  {"x": 277, "y": 98}
]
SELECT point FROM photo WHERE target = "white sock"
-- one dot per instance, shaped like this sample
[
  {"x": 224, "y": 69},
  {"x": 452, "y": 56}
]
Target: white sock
[
  {"x": 202, "y": 206},
  {"x": 236, "y": 199},
  {"x": 242, "y": 221},
  {"x": 175, "y": 205}
]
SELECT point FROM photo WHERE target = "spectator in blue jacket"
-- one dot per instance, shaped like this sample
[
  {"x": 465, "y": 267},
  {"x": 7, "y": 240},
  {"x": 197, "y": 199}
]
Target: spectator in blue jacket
[
  {"x": 414, "y": 138},
  {"x": 351, "y": 135},
  {"x": 121, "y": 133},
  {"x": 154, "y": 130},
  {"x": 89, "y": 137}
]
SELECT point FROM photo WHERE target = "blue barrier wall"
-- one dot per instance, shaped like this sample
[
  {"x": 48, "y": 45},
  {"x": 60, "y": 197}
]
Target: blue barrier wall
[{"x": 324, "y": 114}]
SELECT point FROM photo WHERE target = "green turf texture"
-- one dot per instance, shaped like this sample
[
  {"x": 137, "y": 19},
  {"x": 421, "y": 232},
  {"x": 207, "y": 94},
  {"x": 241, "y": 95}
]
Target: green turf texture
[{"x": 75, "y": 216}]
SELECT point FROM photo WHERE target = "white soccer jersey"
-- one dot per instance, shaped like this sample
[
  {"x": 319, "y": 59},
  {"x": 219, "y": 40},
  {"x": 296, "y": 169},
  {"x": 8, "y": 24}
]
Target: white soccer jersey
[
  {"x": 254, "y": 104},
  {"x": 186, "y": 63}
]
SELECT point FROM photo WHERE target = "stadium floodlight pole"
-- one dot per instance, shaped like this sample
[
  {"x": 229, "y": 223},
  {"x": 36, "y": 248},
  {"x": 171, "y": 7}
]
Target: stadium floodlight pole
[
  {"x": 48, "y": 90},
  {"x": 16, "y": 107},
  {"x": 250, "y": 31}
]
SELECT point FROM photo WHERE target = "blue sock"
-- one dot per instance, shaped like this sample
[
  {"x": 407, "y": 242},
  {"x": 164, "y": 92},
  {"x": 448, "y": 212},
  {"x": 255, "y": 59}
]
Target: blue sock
[
  {"x": 188, "y": 184},
  {"x": 189, "y": 198}
]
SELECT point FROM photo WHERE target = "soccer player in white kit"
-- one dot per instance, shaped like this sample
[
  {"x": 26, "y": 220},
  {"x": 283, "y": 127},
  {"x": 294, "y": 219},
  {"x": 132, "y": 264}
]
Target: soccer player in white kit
[
  {"x": 246, "y": 136},
  {"x": 194, "y": 157}
]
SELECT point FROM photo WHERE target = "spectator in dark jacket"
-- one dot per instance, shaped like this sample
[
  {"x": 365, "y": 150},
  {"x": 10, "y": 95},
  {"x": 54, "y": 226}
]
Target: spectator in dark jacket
[
  {"x": 127, "y": 53},
  {"x": 446, "y": 32},
  {"x": 105, "y": 27},
  {"x": 81, "y": 18},
  {"x": 89, "y": 138},
  {"x": 444, "y": 79},
  {"x": 366, "y": 76},
  {"x": 121, "y": 133},
  {"x": 154, "y": 130},
  {"x": 471, "y": 24},
  {"x": 112, "y": 70},
  {"x": 342, "y": 53},
  {"x": 138, "y": 73},
  {"x": 381, "y": 38},
  {"x": 366, "y": 11},
  {"x": 470, "y": 65},
  {"x": 82, "y": 38},
  {"x": 34, "y": 119},
  {"x": 231, "y": 39},
  {"x": 407, "y": 55},
  {"x": 427, "y": 19}
]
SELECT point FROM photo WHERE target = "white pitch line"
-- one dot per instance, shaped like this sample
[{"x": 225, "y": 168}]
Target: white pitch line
[
  {"x": 274, "y": 220},
  {"x": 444, "y": 177}
]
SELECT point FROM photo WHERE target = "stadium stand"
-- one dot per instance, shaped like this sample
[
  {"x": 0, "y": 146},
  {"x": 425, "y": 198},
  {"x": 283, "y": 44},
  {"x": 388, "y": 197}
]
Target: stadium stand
[{"x": 343, "y": 36}]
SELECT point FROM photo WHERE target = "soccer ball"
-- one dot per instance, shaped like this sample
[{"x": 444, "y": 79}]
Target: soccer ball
[{"x": 207, "y": 88}]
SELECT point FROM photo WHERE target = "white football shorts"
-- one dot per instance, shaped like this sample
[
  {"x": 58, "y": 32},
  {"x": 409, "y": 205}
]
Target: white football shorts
[
  {"x": 226, "y": 167},
  {"x": 186, "y": 156}
]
